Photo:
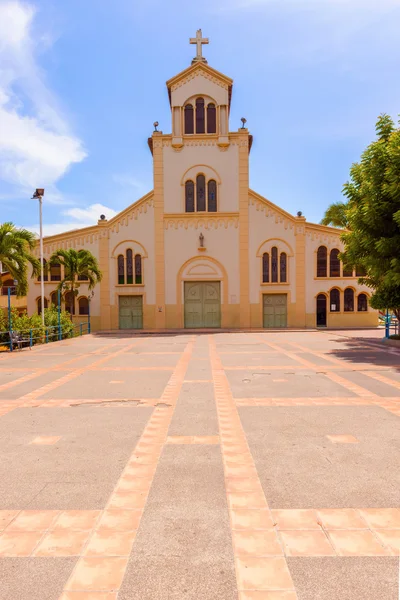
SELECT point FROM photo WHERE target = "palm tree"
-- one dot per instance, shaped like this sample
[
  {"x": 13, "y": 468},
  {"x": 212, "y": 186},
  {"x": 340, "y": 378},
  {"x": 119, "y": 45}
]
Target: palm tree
[
  {"x": 335, "y": 215},
  {"x": 16, "y": 246},
  {"x": 78, "y": 264}
]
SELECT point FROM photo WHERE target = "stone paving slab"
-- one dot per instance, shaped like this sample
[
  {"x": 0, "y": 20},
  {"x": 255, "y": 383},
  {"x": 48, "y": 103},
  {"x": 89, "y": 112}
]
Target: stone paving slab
[
  {"x": 285, "y": 383},
  {"x": 291, "y": 445},
  {"x": 27, "y": 387},
  {"x": 183, "y": 548},
  {"x": 376, "y": 387},
  {"x": 97, "y": 384},
  {"x": 363, "y": 578},
  {"x": 80, "y": 470},
  {"x": 33, "y": 578},
  {"x": 195, "y": 413}
]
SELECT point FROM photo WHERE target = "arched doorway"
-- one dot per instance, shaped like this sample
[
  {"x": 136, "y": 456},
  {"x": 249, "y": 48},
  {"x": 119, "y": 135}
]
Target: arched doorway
[{"x": 321, "y": 310}]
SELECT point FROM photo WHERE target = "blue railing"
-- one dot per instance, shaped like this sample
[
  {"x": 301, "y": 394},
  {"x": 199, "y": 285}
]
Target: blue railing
[
  {"x": 391, "y": 325},
  {"x": 31, "y": 337}
]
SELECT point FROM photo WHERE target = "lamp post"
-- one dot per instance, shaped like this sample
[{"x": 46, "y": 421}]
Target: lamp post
[
  {"x": 38, "y": 194},
  {"x": 90, "y": 297}
]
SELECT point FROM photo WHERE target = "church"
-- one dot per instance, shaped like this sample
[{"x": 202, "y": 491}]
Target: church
[{"x": 203, "y": 250}]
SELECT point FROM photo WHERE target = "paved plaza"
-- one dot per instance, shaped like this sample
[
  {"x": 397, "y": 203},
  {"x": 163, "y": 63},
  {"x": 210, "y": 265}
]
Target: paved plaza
[{"x": 221, "y": 466}]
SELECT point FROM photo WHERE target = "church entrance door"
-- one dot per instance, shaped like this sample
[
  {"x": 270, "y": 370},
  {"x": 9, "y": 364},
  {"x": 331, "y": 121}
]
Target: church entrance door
[
  {"x": 202, "y": 304},
  {"x": 275, "y": 310},
  {"x": 321, "y": 310},
  {"x": 131, "y": 312}
]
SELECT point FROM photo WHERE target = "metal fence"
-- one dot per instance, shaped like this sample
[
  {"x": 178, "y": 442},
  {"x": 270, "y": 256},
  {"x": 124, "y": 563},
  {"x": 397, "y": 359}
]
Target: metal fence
[{"x": 23, "y": 339}]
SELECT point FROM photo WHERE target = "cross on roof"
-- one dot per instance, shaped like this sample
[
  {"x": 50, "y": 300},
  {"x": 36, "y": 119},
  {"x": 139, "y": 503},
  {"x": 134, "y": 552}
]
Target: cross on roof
[{"x": 199, "y": 41}]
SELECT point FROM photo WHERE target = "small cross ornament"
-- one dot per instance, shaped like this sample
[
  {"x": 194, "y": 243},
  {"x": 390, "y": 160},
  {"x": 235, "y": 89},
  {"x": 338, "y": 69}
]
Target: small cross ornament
[{"x": 199, "y": 41}]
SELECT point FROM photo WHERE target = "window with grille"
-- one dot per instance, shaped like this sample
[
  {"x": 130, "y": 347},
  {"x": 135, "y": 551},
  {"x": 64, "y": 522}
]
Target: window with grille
[
  {"x": 348, "y": 300},
  {"x": 335, "y": 300},
  {"x": 322, "y": 261},
  {"x": 274, "y": 265},
  {"x": 138, "y": 269},
  {"x": 334, "y": 263}
]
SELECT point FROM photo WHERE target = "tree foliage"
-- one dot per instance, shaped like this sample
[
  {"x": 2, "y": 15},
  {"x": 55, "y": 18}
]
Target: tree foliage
[
  {"x": 77, "y": 263},
  {"x": 16, "y": 247},
  {"x": 23, "y": 323},
  {"x": 371, "y": 216},
  {"x": 335, "y": 215}
]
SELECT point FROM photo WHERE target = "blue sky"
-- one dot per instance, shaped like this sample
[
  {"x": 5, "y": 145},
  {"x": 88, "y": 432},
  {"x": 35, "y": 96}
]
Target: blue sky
[{"x": 82, "y": 82}]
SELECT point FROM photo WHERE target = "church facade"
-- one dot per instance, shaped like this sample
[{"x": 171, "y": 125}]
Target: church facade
[{"x": 203, "y": 250}]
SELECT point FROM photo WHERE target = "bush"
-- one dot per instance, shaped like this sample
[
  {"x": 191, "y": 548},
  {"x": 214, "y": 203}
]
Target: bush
[
  {"x": 23, "y": 324},
  {"x": 394, "y": 337}
]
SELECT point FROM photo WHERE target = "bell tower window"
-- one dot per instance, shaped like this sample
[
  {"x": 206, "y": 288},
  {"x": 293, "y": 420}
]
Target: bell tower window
[
  {"x": 211, "y": 118},
  {"x": 189, "y": 118},
  {"x": 201, "y": 192},
  {"x": 189, "y": 196},
  {"x": 200, "y": 116},
  {"x": 212, "y": 196}
]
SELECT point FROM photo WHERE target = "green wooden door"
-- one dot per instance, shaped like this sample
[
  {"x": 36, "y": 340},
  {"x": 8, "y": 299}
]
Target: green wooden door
[
  {"x": 275, "y": 310},
  {"x": 131, "y": 312},
  {"x": 202, "y": 304}
]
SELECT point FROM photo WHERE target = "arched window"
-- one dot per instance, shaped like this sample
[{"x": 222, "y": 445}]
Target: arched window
[
  {"x": 54, "y": 298},
  {"x": 55, "y": 272},
  {"x": 200, "y": 125},
  {"x": 45, "y": 272},
  {"x": 189, "y": 196},
  {"x": 360, "y": 272},
  {"x": 83, "y": 303},
  {"x": 265, "y": 267},
  {"x": 83, "y": 277},
  {"x": 274, "y": 265},
  {"x": 362, "y": 303},
  {"x": 8, "y": 285},
  {"x": 39, "y": 305},
  {"x": 138, "y": 269},
  {"x": 348, "y": 300},
  {"x": 334, "y": 266},
  {"x": 322, "y": 260},
  {"x": 335, "y": 300},
  {"x": 69, "y": 300},
  {"x": 212, "y": 195},
  {"x": 129, "y": 266},
  {"x": 201, "y": 192},
  {"x": 283, "y": 267},
  {"x": 347, "y": 271},
  {"x": 211, "y": 118},
  {"x": 189, "y": 118},
  {"x": 121, "y": 270}
]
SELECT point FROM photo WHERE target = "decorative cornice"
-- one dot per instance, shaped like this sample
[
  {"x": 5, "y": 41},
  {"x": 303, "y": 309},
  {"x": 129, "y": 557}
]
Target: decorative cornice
[
  {"x": 74, "y": 239},
  {"x": 271, "y": 210},
  {"x": 132, "y": 212},
  {"x": 326, "y": 237},
  {"x": 196, "y": 220},
  {"x": 201, "y": 73},
  {"x": 199, "y": 69}
]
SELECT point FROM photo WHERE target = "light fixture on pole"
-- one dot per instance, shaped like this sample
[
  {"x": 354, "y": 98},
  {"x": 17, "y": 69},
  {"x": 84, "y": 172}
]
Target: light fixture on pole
[{"x": 38, "y": 195}]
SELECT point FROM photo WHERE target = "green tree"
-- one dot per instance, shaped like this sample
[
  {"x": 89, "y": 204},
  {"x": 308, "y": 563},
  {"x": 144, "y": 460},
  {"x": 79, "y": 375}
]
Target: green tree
[
  {"x": 77, "y": 264},
  {"x": 372, "y": 216},
  {"x": 335, "y": 215},
  {"x": 16, "y": 247}
]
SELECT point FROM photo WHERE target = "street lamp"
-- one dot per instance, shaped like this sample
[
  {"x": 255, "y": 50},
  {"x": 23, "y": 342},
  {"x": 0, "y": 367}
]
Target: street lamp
[{"x": 38, "y": 194}]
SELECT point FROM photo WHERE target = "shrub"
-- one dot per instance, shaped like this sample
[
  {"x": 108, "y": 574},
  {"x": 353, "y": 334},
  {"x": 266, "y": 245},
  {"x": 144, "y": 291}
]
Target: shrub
[{"x": 23, "y": 324}]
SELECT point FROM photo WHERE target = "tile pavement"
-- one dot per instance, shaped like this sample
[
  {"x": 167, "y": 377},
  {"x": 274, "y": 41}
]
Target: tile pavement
[{"x": 264, "y": 540}]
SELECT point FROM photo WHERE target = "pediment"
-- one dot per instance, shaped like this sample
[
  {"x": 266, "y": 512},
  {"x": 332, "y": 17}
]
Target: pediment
[{"x": 200, "y": 70}]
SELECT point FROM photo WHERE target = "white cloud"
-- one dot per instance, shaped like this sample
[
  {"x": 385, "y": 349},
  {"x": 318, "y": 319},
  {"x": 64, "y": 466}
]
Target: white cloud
[
  {"x": 36, "y": 145},
  {"x": 76, "y": 219}
]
